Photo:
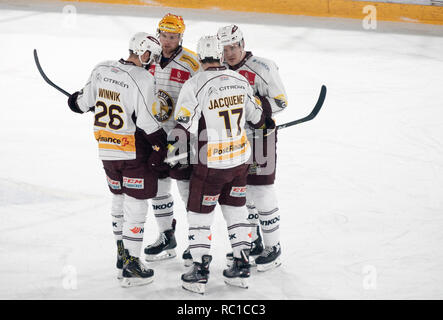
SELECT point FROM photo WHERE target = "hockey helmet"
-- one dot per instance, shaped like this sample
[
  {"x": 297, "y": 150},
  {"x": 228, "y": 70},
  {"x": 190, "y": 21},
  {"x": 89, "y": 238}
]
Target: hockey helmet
[
  {"x": 229, "y": 35},
  {"x": 209, "y": 47},
  {"x": 171, "y": 23},
  {"x": 142, "y": 42}
]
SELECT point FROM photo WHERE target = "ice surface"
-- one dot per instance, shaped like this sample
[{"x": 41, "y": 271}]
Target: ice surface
[{"x": 360, "y": 187}]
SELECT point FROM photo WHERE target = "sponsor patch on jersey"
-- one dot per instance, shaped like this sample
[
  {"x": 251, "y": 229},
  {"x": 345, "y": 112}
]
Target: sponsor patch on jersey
[
  {"x": 210, "y": 200},
  {"x": 183, "y": 116},
  {"x": 152, "y": 69},
  {"x": 133, "y": 183},
  {"x": 179, "y": 75},
  {"x": 238, "y": 192},
  {"x": 113, "y": 141},
  {"x": 249, "y": 76},
  {"x": 113, "y": 184},
  {"x": 136, "y": 230},
  {"x": 190, "y": 61},
  {"x": 164, "y": 111}
]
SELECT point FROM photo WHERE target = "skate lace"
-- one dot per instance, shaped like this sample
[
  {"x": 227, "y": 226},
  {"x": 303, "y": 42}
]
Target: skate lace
[{"x": 160, "y": 240}]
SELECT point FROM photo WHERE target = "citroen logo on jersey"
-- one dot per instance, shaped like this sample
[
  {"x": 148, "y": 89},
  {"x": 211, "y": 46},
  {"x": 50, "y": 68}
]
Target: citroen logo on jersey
[{"x": 166, "y": 106}]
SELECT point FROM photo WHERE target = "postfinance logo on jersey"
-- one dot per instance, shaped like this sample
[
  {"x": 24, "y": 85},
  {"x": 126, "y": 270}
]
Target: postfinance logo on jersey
[
  {"x": 113, "y": 141},
  {"x": 226, "y": 102}
]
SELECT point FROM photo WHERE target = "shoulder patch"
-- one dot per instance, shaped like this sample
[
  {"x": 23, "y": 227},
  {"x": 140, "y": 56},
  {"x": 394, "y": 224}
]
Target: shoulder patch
[
  {"x": 190, "y": 61},
  {"x": 190, "y": 51}
]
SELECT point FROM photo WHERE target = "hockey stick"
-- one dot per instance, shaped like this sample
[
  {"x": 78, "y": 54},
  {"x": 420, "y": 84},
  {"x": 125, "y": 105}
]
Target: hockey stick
[
  {"x": 52, "y": 84},
  {"x": 314, "y": 112}
]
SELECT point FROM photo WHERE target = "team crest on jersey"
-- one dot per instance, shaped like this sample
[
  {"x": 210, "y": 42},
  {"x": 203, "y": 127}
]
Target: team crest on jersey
[
  {"x": 166, "y": 106},
  {"x": 179, "y": 75},
  {"x": 183, "y": 115},
  {"x": 249, "y": 76},
  {"x": 210, "y": 200}
]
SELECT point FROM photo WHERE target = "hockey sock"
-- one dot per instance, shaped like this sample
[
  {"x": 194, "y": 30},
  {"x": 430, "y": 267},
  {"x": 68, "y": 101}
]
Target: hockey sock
[
  {"x": 253, "y": 219},
  {"x": 117, "y": 215},
  {"x": 163, "y": 205},
  {"x": 239, "y": 229},
  {"x": 199, "y": 234},
  {"x": 265, "y": 200},
  {"x": 135, "y": 211}
]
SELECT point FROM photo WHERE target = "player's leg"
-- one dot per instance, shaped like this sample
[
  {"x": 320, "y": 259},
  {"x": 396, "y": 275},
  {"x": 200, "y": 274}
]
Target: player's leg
[
  {"x": 201, "y": 204},
  {"x": 114, "y": 179},
  {"x": 265, "y": 200},
  {"x": 233, "y": 201},
  {"x": 163, "y": 206},
  {"x": 183, "y": 189},
  {"x": 134, "y": 271}
]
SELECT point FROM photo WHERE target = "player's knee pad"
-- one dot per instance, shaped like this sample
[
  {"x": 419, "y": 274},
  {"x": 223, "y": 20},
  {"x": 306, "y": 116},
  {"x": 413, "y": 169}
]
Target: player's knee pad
[
  {"x": 263, "y": 197},
  {"x": 183, "y": 189},
  {"x": 164, "y": 188},
  {"x": 117, "y": 205},
  {"x": 135, "y": 210}
]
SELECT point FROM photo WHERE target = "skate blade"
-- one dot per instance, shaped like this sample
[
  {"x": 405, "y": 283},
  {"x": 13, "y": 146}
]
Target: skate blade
[
  {"x": 135, "y": 282},
  {"x": 188, "y": 262},
  {"x": 194, "y": 287},
  {"x": 237, "y": 282},
  {"x": 269, "y": 266},
  {"x": 165, "y": 255}
]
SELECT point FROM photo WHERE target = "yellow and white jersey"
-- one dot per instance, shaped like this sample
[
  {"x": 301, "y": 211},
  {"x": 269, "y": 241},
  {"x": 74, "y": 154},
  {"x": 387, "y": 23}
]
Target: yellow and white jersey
[
  {"x": 262, "y": 74},
  {"x": 169, "y": 79},
  {"x": 214, "y": 105},
  {"x": 123, "y": 96}
]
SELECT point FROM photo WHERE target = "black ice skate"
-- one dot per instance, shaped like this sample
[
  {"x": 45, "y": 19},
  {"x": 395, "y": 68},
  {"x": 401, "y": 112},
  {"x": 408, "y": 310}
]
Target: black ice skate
[
  {"x": 187, "y": 257},
  {"x": 269, "y": 259},
  {"x": 120, "y": 259},
  {"x": 197, "y": 278},
  {"x": 135, "y": 273},
  {"x": 256, "y": 249},
  {"x": 163, "y": 248},
  {"x": 239, "y": 271}
]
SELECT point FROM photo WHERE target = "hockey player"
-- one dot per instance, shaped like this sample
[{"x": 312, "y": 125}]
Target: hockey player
[
  {"x": 132, "y": 145},
  {"x": 177, "y": 65},
  {"x": 262, "y": 75},
  {"x": 217, "y": 102}
]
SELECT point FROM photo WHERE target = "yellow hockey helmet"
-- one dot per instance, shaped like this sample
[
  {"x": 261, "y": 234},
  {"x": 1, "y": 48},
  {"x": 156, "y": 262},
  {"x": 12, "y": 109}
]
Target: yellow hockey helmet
[{"x": 172, "y": 23}]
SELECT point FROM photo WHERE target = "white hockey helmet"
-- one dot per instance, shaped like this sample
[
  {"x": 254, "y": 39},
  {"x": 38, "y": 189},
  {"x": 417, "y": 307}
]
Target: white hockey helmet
[
  {"x": 229, "y": 35},
  {"x": 142, "y": 42},
  {"x": 209, "y": 47}
]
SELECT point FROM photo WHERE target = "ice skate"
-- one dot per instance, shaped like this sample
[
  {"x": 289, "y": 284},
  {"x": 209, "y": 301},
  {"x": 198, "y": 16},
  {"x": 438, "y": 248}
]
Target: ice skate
[
  {"x": 197, "y": 278},
  {"x": 256, "y": 250},
  {"x": 187, "y": 258},
  {"x": 237, "y": 275},
  {"x": 269, "y": 259},
  {"x": 120, "y": 259},
  {"x": 164, "y": 247},
  {"x": 135, "y": 273}
]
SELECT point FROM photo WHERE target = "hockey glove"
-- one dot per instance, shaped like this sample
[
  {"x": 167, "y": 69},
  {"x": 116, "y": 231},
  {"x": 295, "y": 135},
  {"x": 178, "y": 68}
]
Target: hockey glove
[{"x": 72, "y": 102}]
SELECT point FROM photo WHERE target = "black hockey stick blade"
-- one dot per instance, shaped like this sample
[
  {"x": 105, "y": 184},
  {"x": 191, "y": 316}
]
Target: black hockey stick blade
[
  {"x": 52, "y": 84},
  {"x": 313, "y": 113}
]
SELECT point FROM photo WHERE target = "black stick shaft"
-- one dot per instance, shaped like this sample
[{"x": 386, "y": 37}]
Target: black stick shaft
[
  {"x": 42, "y": 73},
  {"x": 313, "y": 113}
]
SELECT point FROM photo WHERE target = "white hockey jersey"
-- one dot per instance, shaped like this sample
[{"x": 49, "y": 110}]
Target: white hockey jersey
[
  {"x": 263, "y": 76},
  {"x": 123, "y": 96},
  {"x": 219, "y": 101},
  {"x": 169, "y": 80}
]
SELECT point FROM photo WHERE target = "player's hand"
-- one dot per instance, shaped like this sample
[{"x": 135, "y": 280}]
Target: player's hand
[
  {"x": 268, "y": 127},
  {"x": 157, "y": 158}
]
